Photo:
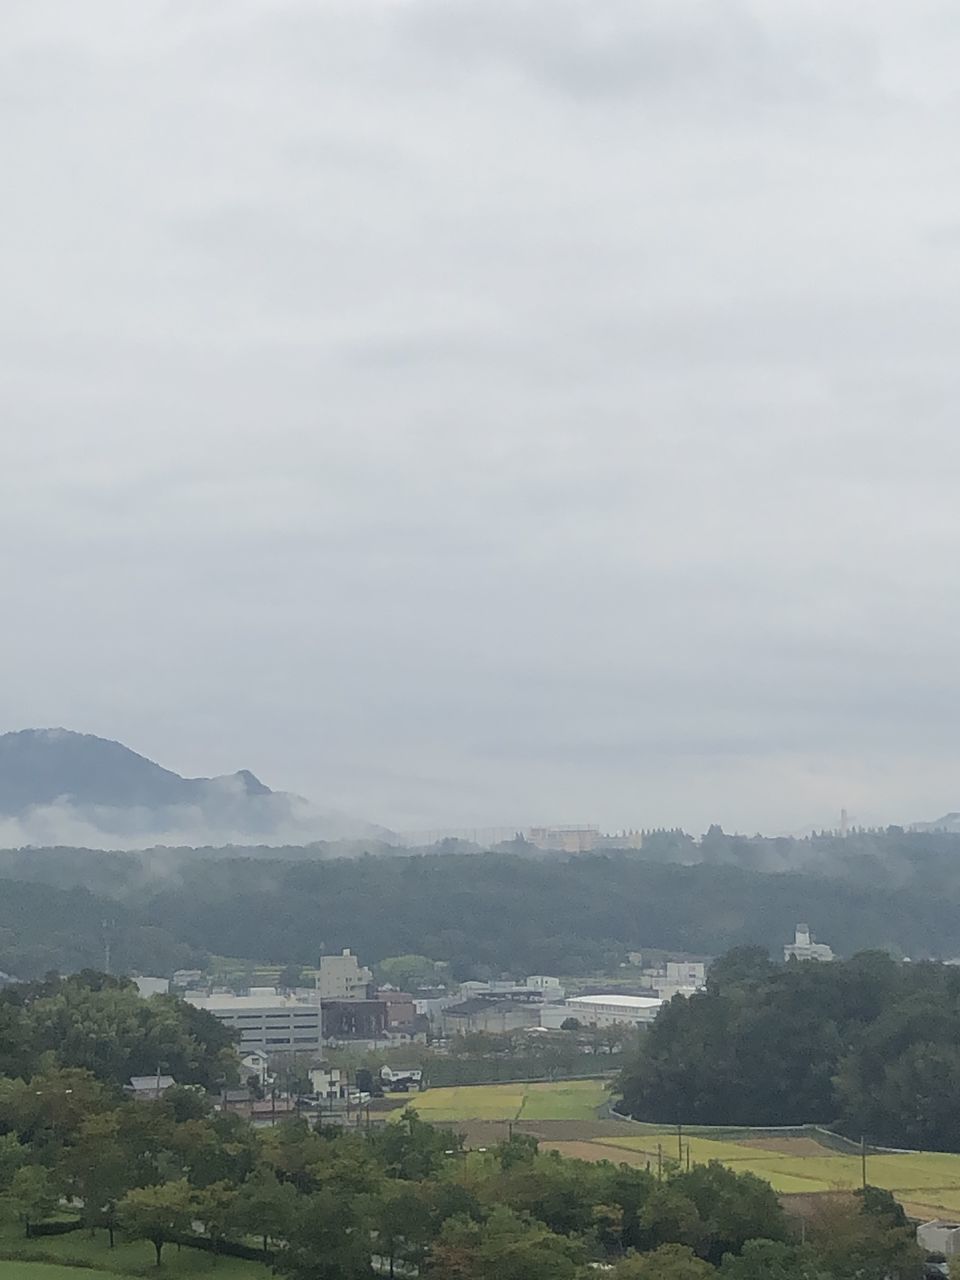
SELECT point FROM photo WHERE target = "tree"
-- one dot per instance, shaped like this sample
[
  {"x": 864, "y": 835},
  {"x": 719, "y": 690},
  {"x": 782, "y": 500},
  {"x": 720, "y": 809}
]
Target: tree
[
  {"x": 668, "y": 1262},
  {"x": 505, "y": 1247},
  {"x": 33, "y": 1194},
  {"x": 158, "y": 1214},
  {"x": 404, "y": 1225},
  {"x": 13, "y": 1155},
  {"x": 570, "y": 1024},
  {"x": 98, "y": 1170},
  {"x": 266, "y": 1207},
  {"x": 772, "y": 1260},
  {"x": 329, "y": 1240},
  {"x": 215, "y": 1206},
  {"x": 854, "y": 1243}
]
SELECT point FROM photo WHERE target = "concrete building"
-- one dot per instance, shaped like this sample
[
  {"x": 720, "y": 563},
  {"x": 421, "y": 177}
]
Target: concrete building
[
  {"x": 401, "y": 1007},
  {"x": 152, "y": 986},
  {"x": 565, "y": 839},
  {"x": 255, "y": 1063},
  {"x": 267, "y": 1021},
  {"x": 939, "y": 1236},
  {"x": 343, "y": 978},
  {"x": 601, "y": 1011},
  {"x": 354, "y": 1020},
  {"x": 493, "y": 1016},
  {"x": 803, "y": 947}
]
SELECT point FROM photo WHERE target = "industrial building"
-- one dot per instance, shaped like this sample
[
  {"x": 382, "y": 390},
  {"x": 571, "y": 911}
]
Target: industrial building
[
  {"x": 601, "y": 1011},
  {"x": 267, "y": 1021}
]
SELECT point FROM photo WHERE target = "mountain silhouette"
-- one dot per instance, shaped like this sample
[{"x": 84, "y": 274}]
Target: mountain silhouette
[{"x": 62, "y": 787}]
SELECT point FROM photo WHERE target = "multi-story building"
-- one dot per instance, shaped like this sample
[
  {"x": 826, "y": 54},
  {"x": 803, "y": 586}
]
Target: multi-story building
[
  {"x": 267, "y": 1021},
  {"x": 803, "y": 947},
  {"x": 342, "y": 977},
  {"x": 565, "y": 839}
]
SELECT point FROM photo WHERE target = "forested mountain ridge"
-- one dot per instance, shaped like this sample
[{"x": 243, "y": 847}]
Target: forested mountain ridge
[{"x": 483, "y": 915}]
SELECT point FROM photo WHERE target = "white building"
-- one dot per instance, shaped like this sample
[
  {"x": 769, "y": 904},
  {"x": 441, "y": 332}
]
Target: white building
[
  {"x": 342, "y": 977},
  {"x": 601, "y": 1011},
  {"x": 267, "y": 1021},
  {"x": 152, "y": 986},
  {"x": 327, "y": 1082},
  {"x": 939, "y": 1236},
  {"x": 804, "y": 948}
]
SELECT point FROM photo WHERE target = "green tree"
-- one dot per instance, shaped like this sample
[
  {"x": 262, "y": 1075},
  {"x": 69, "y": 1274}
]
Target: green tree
[
  {"x": 13, "y": 1155},
  {"x": 668, "y": 1262},
  {"x": 158, "y": 1214},
  {"x": 98, "y": 1171},
  {"x": 265, "y": 1207},
  {"x": 330, "y": 1240},
  {"x": 33, "y": 1194},
  {"x": 215, "y": 1205}
]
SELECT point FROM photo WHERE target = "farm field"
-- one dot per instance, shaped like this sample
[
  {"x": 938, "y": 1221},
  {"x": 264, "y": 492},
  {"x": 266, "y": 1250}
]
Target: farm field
[
  {"x": 570, "y": 1117},
  {"x": 565, "y": 1100}
]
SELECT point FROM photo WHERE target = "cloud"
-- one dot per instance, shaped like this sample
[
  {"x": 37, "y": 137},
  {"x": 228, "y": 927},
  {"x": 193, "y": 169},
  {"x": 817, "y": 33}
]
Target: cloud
[{"x": 488, "y": 413}]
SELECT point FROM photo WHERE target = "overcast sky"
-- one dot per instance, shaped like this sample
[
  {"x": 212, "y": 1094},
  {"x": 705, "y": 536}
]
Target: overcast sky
[{"x": 489, "y": 411}]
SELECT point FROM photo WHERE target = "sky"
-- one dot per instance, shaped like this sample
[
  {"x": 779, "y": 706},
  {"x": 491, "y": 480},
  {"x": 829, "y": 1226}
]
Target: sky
[{"x": 489, "y": 411}]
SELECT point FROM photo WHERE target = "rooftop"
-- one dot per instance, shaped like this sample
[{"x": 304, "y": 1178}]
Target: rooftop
[
  {"x": 226, "y": 1002},
  {"x": 626, "y": 1002}
]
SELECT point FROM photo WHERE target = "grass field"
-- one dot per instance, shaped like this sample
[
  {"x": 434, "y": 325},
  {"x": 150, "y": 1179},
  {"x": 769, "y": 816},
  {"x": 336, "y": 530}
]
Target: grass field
[
  {"x": 91, "y": 1258},
  {"x": 566, "y": 1100},
  {"x": 570, "y": 1117},
  {"x": 48, "y": 1271}
]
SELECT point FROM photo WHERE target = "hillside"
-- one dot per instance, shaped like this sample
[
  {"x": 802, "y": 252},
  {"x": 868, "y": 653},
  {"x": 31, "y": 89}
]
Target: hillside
[{"x": 62, "y": 787}]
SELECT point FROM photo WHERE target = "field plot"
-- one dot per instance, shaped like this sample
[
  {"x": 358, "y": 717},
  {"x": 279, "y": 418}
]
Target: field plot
[
  {"x": 570, "y": 1117},
  {"x": 565, "y": 1100}
]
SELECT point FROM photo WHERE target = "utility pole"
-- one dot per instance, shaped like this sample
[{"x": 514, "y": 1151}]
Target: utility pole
[
  {"x": 659, "y": 1161},
  {"x": 679, "y": 1143},
  {"x": 863, "y": 1160},
  {"x": 688, "y": 1157}
]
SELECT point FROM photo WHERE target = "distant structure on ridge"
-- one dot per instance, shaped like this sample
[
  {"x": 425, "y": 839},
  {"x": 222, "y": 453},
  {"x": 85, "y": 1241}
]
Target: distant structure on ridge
[{"x": 803, "y": 947}]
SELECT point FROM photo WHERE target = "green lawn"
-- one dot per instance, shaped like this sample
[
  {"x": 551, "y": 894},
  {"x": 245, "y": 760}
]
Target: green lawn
[{"x": 43, "y": 1258}]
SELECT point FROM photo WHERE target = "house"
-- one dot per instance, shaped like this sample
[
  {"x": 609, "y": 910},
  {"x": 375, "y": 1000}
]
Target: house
[
  {"x": 149, "y": 1088},
  {"x": 328, "y": 1083},
  {"x": 255, "y": 1063},
  {"x": 939, "y": 1236}
]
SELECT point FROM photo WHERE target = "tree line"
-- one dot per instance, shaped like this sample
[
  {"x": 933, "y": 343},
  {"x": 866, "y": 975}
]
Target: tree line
[
  {"x": 869, "y": 1046},
  {"x": 482, "y": 915}
]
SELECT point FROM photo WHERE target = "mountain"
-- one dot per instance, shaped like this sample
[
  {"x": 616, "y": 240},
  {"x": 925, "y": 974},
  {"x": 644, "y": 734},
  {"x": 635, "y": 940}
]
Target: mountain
[{"x": 62, "y": 787}]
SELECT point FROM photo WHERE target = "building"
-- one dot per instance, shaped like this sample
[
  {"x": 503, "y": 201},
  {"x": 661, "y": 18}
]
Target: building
[
  {"x": 493, "y": 1016},
  {"x": 565, "y": 839},
  {"x": 255, "y": 1063},
  {"x": 152, "y": 986},
  {"x": 675, "y": 977},
  {"x": 328, "y": 1083},
  {"x": 804, "y": 948},
  {"x": 939, "y": 1236},
  {"x": 341, "y": 977},
  {"x": 601, "y": 1011},
  {"x": 149, "y": 1088},
  {"x": 267, "y": 1021},
  {"x": 401, "y": 1007},
  {"x": 354, "y": 1020}
]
